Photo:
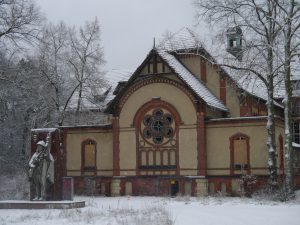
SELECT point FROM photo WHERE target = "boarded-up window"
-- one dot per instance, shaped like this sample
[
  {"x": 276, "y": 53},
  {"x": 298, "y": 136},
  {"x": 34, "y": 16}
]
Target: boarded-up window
[
  {"x": 240, "y": 153},
  {"x": 89, "y": 155}
]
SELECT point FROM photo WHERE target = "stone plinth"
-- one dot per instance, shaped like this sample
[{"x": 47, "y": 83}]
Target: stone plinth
[
  {"x": 41, "y": 204},
  {"x": 201, "y": 187},
  {"x": 115, "y": 187}
]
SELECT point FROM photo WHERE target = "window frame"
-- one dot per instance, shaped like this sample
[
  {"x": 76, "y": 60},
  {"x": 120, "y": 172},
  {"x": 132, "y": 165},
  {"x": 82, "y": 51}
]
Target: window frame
[
  {"x": 234, "y": 169},
  {"x": 84, "y": 168}
]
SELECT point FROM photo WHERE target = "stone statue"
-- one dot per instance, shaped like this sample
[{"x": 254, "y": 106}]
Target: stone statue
[{"x": 41, "y": 169}]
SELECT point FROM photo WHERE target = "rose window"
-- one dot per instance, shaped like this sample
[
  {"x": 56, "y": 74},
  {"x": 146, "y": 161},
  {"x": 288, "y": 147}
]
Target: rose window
[{"x": 158, "y": 127}]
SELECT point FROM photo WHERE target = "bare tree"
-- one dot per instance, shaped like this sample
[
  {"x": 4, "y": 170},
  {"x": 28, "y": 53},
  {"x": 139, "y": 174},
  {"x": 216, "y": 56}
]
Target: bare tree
[
  {"x": 260, "y": 33},
  {"x": 53, "y": 65},
  {"x": 19, "y": 21},
  {"x": 86, "y": 58}
]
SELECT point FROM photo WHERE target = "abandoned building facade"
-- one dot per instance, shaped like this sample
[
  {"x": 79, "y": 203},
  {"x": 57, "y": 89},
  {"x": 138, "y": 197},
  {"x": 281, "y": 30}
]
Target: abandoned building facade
[{"x": 179, "y": 124}]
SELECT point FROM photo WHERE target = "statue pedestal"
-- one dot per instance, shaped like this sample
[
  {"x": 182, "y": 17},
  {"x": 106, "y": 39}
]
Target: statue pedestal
[
  {"x": 68, "y": 188},
  {"x": 41, "y": 204}
]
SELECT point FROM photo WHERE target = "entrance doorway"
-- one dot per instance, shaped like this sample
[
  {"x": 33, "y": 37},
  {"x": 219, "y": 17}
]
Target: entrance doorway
[{"x": 174, "y": 187}]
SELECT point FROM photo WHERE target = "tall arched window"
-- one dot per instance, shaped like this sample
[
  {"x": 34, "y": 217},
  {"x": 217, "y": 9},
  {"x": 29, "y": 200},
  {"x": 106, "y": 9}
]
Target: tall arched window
[
  {"x": 239, "y": 153},
  {"x": 157, "y": 137},
  {"x": 89, "y": 153}
]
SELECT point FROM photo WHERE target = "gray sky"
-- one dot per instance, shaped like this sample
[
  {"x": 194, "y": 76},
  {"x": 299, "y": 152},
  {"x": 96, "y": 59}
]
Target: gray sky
[{"x": 128, "y": 26}]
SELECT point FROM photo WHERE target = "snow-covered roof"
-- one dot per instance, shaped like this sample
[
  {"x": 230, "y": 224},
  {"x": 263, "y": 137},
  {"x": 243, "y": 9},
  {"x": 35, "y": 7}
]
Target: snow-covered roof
[
  {"x": 187, "y": 39},
  {"x": 49, "y": 130},
  {"x": 183, "y": 39},
  {"x": 295, "y": 145},
  {"x": 190, "y": 79},
  {"x": 114, "y": 77}
]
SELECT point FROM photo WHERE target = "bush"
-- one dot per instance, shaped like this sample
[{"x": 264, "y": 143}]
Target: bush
[{"x": 247, "y": 184}]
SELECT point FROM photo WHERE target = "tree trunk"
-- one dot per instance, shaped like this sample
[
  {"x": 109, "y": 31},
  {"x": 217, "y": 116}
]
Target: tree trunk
[
  {"x": 289, "y": 173},
  {"x": 271, "y": 141}
]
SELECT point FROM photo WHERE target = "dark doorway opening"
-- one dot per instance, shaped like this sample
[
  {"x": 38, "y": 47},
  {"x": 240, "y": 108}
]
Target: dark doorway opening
[{"x": 174, "y": 187}]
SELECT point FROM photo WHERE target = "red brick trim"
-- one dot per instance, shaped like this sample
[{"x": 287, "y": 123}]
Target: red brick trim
[
  {"x": 201, "y": 143},
  {"x": 156, "y": 103},
  {"x": 83, "y": 170},
  {"x": 245, "y": 106},
  {"x": 103, "y": 127},
  {"x": 231, "y": 139},
  {"x": 223, "y": 88},
  {"x": 152, "y": 80},
  {"x": 241, "y": 120},
  {"x": 116, "y": 146}
]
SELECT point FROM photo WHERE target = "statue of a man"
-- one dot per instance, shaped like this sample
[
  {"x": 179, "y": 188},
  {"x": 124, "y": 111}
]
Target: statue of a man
[{"x": 40, "y": 166}]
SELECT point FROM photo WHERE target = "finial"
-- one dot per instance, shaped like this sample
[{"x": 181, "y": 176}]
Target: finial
[{"x": 154, "y": 42}]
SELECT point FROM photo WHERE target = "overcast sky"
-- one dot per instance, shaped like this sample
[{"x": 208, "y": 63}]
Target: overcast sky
[{"x": 128, "y": 26}]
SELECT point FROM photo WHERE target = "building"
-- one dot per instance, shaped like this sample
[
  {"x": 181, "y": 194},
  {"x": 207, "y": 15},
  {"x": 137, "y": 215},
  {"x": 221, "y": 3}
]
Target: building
[{"x": 179, "y": 124}]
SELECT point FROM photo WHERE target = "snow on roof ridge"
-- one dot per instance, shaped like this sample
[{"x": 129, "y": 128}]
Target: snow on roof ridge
[
  {"x": 195, "y": 84},
  {"x": 184, "y": 38}
]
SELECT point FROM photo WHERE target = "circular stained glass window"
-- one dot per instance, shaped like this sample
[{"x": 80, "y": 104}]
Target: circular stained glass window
[
  {"x": 168, "y": 119},
  {"x": 147, "y": 120},
  {"x": 147, "y": 133},
  {"x": 158, "y": 113},
  {"x": 158, "y": 126}
]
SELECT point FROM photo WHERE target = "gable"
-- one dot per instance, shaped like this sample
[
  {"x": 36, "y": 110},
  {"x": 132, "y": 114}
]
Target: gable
[
  {"x": 168, "y": 64},
  {"x": 155, "y": 64}
]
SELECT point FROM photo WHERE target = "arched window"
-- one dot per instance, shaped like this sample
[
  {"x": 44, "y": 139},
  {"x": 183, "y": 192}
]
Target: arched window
[
  {"x": 239, "y": 148},
  {"x": 89, "y": 153},
  {"x": 157, "y": 137}
]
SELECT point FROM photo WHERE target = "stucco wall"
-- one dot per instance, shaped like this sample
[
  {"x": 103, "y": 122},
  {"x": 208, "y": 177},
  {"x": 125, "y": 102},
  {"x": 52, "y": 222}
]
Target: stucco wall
[
  {"x": 104, "y": 151},
  {"x": 127, "y": 151},
  {"x": 218, "y": 146},
  {"x": 165, "y": 92},
  {"x": 187, "y": 133},
  {"x": 192, "y": 62},
  {"x": 232, "y": 101},
  {"x": 188, "y": 150},
  {"x": 213, "y": 80}
]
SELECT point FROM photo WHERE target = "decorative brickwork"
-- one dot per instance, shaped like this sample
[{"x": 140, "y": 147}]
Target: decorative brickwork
[
  {"x": 152, "y": 80},
  {"x": 116, "y": 146},
  {"x": 157, "y": 124},
  {"x": 201, "y": 141}
]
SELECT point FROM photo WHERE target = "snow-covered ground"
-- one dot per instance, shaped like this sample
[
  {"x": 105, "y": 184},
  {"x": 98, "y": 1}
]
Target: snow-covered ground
[{"x": 161, "y": 211}]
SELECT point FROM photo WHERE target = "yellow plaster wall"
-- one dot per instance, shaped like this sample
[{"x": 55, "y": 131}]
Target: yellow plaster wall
[
  {"x": 213, "y": 80},
  {"x": 213, "y": 83},
  {"x": 192, "y": 62},
  {"x": 104, "y": 140},
  {"x": 232, "y": 101},
  {"x": 166, "y": 92},
  {"x": 188, "y": 150},
  {"x": 187, "y": 132},
  {"x": 218, "y": 146},
  {"x": 127, "y": 151}
]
